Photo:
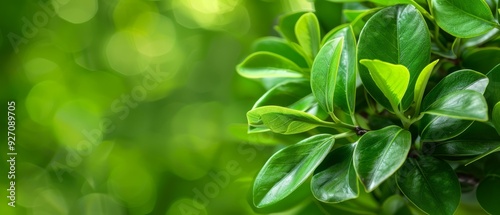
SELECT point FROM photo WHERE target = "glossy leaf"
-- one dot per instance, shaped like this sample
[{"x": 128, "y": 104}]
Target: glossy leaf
[
  {"x": 324, "y": 74},
  {"x": 288, "y": 168},
  {"x": 391, "y": 79},
  {"x": 460, "y": 148},
  {"x": 421, "y": 83},
  {"x": 463, "y": 104},
  {"x": 333, "y": 75},
  {"x": 496, "y": 117},
  {"x": 379, "y": 154},
  {"x": 283, "y": 120},
  {"x": 280, "y": 47},
  {"x": 438, "y": 128},
  {"x": 268, "y": 65},
  {"x": 360, "y": 21},
  {"x": 286, "y": 25},
  {"x": 404, "y": 40},
  {"x": 308, "y": 34},
  {"x": 337, "y": 182},
  {"x": 430, "y": 184},
  {"x": 488, "y": 193},
  {"x": 463, "y": 19}
]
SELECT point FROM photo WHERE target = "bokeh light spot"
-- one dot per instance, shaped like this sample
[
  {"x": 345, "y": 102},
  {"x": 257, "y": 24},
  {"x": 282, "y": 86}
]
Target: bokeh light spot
[
  {"x": 154, "y": 34},
  {"x": 98, "y": 204},
  {"x": 76, "y": 11},
  {"x": 44, "y": 99},
  {"x": 123, "y": 56},
  {"x": 40, "y": 69},
  {"x": 132, "y": 184}
]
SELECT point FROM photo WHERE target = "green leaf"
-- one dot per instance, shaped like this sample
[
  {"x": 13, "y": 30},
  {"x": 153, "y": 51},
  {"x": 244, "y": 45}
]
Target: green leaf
[
  {"x": 488, "y": 193},
  {"x": 482, "y": 59},
  {"x": 268, "y": 65},
  {"x": 288, "y": 168},
  {"x": 308, "y": 34},
  {"x": 439, "y": 128},
  {"x": 430, "y": 184},
  {"x": 280, "y": 47},
  {"x": 333, "y": 75},
  {"x": 462, "y": 104},
  {"x": 337, "y": 181},
  {"x": 283, "y": 120},
  {"x": 379, "y": 154},
  {"x": 496, "y": 117},
  {"x": 404, "y": 40},
  {"x": 286, "y": 26},
  {"x": 286, "y": 94},
  {"x": 421, "y": 83},
  {"x": 460, "y": 148},
  {"x": 360, "y": 21},
  {"x": 391, "y": 79},
  {"x": 463, "y": 19}
]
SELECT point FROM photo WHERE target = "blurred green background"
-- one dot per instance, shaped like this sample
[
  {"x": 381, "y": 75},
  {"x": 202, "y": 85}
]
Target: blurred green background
[{"x": 132, "y": 106}]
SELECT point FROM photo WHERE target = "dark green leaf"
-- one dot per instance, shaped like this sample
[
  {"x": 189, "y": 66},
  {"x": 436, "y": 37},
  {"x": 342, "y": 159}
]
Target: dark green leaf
[
  {"x": 496, "y": 117},
  {"x": 430, "y": 184},
  {"x": 379, "y": 154},
  {"x": 492, "y": 93},
  {"x": 463, "y": 19},
  {"x": 404, "y": 40},
  {"x": 281, "y": 47},
  {"x": 390, "y": 78},
  {"x": 283, "y": 120},
  {"x": 337, "y": 182},
  {"x": 329, "y": 13},
  {"x": 333, "y": 75},
  {"x": 488, "y": 193},
  {"x": 439, "y": 128},
  {"x": 395, "y": 205},
  {"x": 482, "y": 59},
  {"x": 268, "y": 65},
  {"x": 460, "y": 148},
  {"x": 360, "y": 21},
  {"x": 462, "y": 104},
  {"x": 288, "y": 168},
  {"x": 308, "y": 34},
  {"x": 286, "y": 25}
]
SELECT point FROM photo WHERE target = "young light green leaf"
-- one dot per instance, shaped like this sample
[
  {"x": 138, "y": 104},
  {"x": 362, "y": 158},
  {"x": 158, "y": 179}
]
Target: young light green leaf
[
  {"x": 308, "y": 34},
  {"x": 288, "y": 168},
  {"x": 283, "y": 120},
  {"x": 391, "y": 79},
  {"x": 495, "y": 117},
  {"x": 379, "y": 154},
  {"x": 268, "y": 65},
  {"x": 462, "y": 104},
  {"x": 336, "y": 180},
  {"x": 463, "y": 19},
  {"x": 421, "y": 83},
  {"x": 404, "y": 40},
  {"x": 280, "y": 47},
  {"x": 430, "y": 184}
]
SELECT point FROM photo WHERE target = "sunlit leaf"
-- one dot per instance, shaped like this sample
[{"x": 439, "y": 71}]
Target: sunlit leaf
[
  {"x": 462, "y": 104},
  {"x": 286, "y": 25},
  {"x": 421, "y": 83},
  {"x": 463, "y": 19},
  {"x": 280, "y": 47},
  {"x": 308, "y": 34},
  {"x": 268, "y": 65},
  {"x": 288, "y": 168},
  {"x": 391, "y": 79}
]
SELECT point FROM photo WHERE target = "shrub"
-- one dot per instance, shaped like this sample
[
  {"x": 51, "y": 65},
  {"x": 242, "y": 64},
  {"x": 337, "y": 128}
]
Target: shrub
[{"x": 400, "y": 96}]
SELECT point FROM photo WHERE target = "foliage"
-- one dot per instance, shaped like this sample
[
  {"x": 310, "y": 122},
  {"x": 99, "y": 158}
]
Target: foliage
[{"x": 399, "y": 96}]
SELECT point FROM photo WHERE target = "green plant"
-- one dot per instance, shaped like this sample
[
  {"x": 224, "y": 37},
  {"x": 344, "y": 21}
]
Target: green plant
[{"x": 401, "y": 96}]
